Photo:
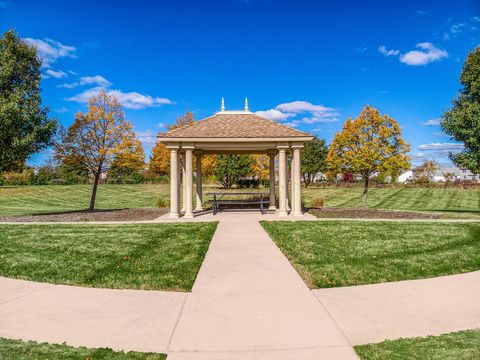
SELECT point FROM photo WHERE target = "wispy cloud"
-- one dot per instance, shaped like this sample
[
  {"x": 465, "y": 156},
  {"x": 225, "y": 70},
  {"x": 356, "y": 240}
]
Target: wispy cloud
[
  {"x": 453, "y": 31},
  {"x": 431, "y": 122},
  {"x": 362, "y": 48},
  {"x": 310, "y": 113},
  {"x": 50, "y": 50},
  {"x": 274, "y": 114},
  {"x": 440, "y": 146},
  {"x": 383, "y": 50},
  {"x": 58, "y": 74},
  {"x": 88, "y": 80},
  {"x": 428, "y": 53},
  {"x": 130, "y": 100},
  {"x": 62, "y": 110},
  {"x": 147, "y": 138},
  {"x": 422, "y": 12}
]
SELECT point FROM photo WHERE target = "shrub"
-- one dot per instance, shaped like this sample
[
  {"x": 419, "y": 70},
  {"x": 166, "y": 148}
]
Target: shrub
[
  {"x": 58, "y": 182},
  {"x": 162, "y": 202},
  {"x": 317, "y": 202}
]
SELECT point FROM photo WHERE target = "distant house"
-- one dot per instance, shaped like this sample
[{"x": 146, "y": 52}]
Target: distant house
[
  {"x": 458, "y": 174},
  {"x": 407, "y": 176}
]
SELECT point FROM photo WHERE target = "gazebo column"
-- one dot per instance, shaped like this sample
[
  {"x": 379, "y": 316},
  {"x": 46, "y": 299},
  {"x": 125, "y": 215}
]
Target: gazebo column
[
  {"x": 188, "y": 182},
  {"x": 174, "y": 193},
  {"x": 282, "y": 183},
  {"x": 296, "y": 179},
  {"x": 292, "y": 185},
  {"x": 271, "y": 156},
  {"x": 287, "y": 200},
  {"x": 184, "y": 183},
  {"x": 198, "y": 174}
]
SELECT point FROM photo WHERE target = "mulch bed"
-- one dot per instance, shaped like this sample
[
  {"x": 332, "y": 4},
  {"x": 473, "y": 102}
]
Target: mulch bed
[
  {"x": 97, "y": 215},
  {"x": 369, "y": 214}
]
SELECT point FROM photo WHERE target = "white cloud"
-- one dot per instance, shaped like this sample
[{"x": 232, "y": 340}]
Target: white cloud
[
  {"x": 62, "y": 110},
  {"x": 147, "y": 137},
  {"x": 427, "y": 54},
  {"x": 130, "y": 100},
  {"x": 50, "y": 50},
  {"x": 431, "y": 122},
  {"x": 58, "y": 74},
  {"x": 274, "y": 114},
  {"x": 161, "y": 125},
  {"x": 386, "y": 52},
  {"x": 88, "y": 80},
  {"x": 440, "y": 146},
  {"x": 312, "y": 113},
  {"x": 422, "y": 12}
]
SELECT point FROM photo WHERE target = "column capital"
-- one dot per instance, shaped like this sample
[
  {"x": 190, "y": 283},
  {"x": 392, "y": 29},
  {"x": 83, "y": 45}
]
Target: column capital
[
  {"x": 282, "y": 146},
  {"x": 271, "y": 152},
  {"x": 173, "y": 146},
  {"x": 197, "y": 152},
  {"x": 297, "y": 145},
  {"x": 188, "y": 146}
]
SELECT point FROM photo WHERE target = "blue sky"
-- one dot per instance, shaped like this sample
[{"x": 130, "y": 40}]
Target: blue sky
[{"x": 310, "y": 64}]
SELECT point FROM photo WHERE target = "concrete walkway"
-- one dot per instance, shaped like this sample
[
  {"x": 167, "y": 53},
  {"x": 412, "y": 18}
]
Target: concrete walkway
[{"x": 247, "y": 303}]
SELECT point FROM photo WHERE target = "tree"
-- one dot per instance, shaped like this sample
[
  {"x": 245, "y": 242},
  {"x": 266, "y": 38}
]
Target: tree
[
  {"x": 159, "y": 163},
  {"x": 462, "y": 121},
  {"x": 368, "y": 145},
  {"x": 160, "y": 158},
  {"x": 313, "y": 158},
  {"x": 24, "y": 124},
  {"x": 230, "y": 168},
  {"x": 261, "y": 167},
  {"x": 130, "y": 160},
  {"x": 426, "y": 171},
  {"x": 96, "y": 138}
]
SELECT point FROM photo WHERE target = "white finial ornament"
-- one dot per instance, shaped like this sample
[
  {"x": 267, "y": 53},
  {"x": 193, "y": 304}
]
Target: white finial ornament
[
  {"x": 223, "y": 105},
  {"x": 246, "y": 104}
]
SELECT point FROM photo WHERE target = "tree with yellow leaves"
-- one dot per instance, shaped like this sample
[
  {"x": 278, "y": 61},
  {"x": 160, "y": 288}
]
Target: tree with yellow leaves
[
  {"x": 96, "y": 138},
  {"x": 130, "y": 159},
  {"x": 160, "y": 157},
  {"x": 369, "y": 145},
  {"x": 261, "y": 167}
]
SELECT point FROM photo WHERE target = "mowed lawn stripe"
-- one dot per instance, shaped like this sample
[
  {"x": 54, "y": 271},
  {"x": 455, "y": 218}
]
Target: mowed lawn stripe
[
  {"x": 131, "y": 256},
  {"x": 343, "y": 253}
]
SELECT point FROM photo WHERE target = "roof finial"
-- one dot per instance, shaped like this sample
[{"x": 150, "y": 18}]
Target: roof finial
[
  {"x": 223, "y": 104},
  {"x": 246, "y": 104}
]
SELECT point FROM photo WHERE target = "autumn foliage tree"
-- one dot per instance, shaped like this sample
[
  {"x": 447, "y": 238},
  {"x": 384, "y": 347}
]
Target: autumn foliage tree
[
  {"x": 130, "y": 160},
  {"x": 368, "y": 145},
  {"x": 160, "y": 157},
  {"x": 97, "y": 138}
]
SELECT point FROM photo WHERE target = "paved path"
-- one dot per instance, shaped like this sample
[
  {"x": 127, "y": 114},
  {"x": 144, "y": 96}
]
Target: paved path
[{"x": 247, "y": 303}]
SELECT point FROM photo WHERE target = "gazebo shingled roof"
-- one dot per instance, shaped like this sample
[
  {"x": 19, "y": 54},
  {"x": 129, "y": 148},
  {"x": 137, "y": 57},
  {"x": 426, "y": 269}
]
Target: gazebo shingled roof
[{"x": 235, "y": 124}]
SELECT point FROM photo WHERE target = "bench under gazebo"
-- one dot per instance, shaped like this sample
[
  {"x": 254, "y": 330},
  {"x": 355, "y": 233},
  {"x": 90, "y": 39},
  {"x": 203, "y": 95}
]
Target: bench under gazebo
[{"x": 234, "y": 132}]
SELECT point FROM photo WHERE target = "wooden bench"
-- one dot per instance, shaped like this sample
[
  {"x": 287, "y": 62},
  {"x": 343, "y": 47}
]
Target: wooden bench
[{"x": 221, "y": 198}]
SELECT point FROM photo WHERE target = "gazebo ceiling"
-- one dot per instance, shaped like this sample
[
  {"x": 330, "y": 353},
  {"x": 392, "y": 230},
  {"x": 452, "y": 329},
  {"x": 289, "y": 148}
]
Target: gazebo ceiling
[{"x": 235, "y": 127}]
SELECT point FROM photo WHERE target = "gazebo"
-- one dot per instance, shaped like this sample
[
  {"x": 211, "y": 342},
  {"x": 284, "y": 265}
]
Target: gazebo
[{"x": 234, "y": 132}]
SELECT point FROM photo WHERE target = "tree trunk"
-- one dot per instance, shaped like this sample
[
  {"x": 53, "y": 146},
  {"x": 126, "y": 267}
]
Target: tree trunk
[
  {"x": 365, "y": 190},
  {"x": 94, "y": 191}
]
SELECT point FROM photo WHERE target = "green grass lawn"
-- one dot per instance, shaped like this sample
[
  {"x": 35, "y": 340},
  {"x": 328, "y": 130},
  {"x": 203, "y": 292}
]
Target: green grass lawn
[
  {"x": 140, "y": 256},
  {"x": 23, "y": 200},
  {"x": 463, "y": 345},
  {"x": 23, "y": 350},
  {"x": 343, "y": 253},
  {"x": 443, "y": 200}
]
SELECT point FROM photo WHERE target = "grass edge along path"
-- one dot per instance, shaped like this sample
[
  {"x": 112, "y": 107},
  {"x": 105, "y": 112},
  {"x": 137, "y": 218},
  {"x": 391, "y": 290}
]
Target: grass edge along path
[
  {"x": 23, "y": 350},
  {"x": 347, "y": 253},
  {"x": 462, "y": 345},
  {"x": 128, "y": 256}
]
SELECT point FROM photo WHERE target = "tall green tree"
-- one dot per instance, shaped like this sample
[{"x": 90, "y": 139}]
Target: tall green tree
[
  {"x": 231, "y": 168},
  {"x": 313, "y": 158},
  {"x": 25, "y": 127},
  {"x": 462, "y": 121}
]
